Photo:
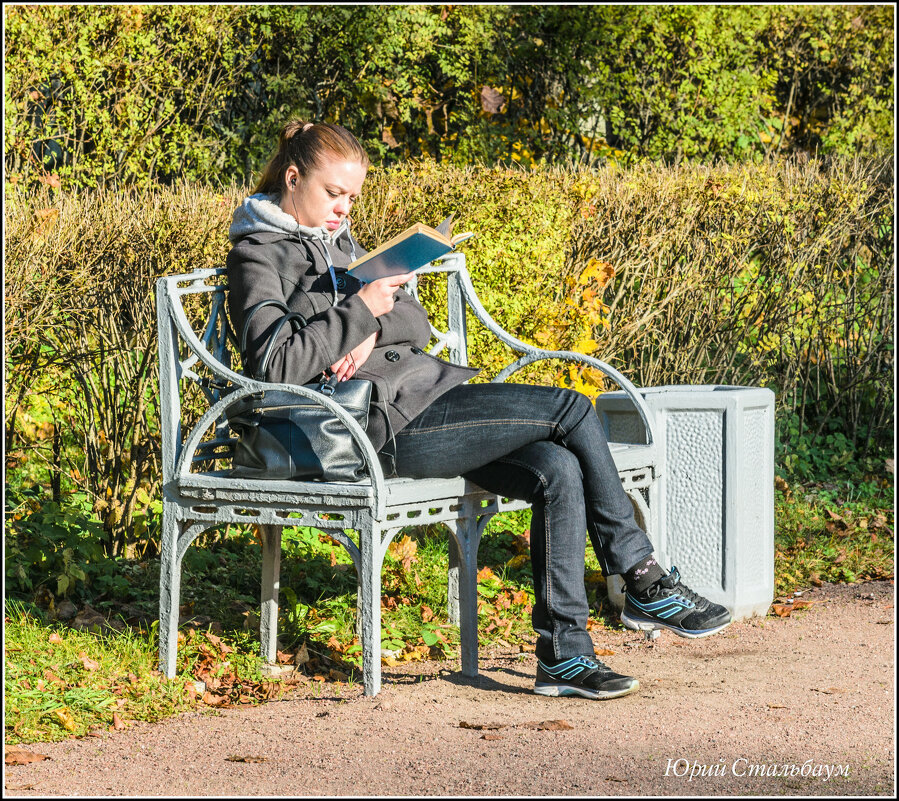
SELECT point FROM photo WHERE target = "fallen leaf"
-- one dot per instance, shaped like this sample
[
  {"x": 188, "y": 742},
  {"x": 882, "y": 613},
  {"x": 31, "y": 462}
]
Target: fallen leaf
[
  {"x": 12, "y": 755},
  {"x": 828, "y": 690},
  {"x": 491, "y": 737},
  {"x": 87, "y": 662},
  {"x": 301, "y": 657},
  {"x": 54, "y": 638},
  {"x": 465, "y": 725},
  {"x": 117, "y": 723},
  {"x": 235, "y": 758},
  {"x": 777, "y": 706},
  {"x": 603, "y": 652},
  {"x": 404, "y": 551},
  {"x": 786, "y": 609},
  {"x": 217, "y": 642},
  {"x": 211, "y": 699},
  {"x": 65, "y": 718},
  {"x": 548, "y": 725},
  {"x": 615, "y": 779},
  {"x": 427, "y": 614}
]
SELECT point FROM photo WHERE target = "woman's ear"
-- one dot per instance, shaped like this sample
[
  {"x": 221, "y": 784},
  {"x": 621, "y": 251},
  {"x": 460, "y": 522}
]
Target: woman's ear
[{"x": 291, "y": 177}]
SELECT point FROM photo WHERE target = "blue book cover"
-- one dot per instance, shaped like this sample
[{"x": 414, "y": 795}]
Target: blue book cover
[{"x": 413, "y": 248}]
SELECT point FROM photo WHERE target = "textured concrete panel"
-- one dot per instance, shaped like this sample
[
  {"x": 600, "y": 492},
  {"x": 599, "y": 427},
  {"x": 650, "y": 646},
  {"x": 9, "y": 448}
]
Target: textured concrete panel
[{"x": 694, "y": 493}]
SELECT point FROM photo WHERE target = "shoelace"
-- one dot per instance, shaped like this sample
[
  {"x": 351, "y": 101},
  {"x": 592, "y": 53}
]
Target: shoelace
[
  {"x": 597, "y": 664},
  {"x": 677, "y": 586}
]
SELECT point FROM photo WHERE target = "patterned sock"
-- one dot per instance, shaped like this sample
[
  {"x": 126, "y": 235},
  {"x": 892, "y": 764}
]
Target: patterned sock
[{"x": 643, "y": 575}]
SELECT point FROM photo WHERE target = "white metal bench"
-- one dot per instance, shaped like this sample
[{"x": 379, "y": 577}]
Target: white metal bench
[{"x": 198, "y": 493}]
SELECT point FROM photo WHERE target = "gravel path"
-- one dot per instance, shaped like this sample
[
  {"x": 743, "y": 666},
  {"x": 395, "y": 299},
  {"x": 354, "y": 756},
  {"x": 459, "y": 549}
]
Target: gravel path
[{"x": 802, "y": 697}]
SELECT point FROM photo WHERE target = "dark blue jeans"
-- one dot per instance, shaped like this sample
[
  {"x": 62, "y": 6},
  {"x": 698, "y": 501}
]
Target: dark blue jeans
[{"x": 545, "y": 446}]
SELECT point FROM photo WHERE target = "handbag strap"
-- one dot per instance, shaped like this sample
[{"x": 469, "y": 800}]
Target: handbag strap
[
  {"x": 252, "y": 313},
  {"x": 296, "y": 320}
]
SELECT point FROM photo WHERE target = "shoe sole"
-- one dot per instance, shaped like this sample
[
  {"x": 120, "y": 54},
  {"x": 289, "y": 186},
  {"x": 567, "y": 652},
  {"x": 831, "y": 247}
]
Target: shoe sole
[
  {"x": 567, "y": 690},
  {"x": 636, "y": 624}
]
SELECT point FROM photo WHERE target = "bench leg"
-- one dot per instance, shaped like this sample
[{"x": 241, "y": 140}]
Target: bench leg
[
  {"x": 369, "y": 607},
  {"x": 452, "y": 586},
  {"x": 463, "y": 594},
  {"x": 169, "y": 593},
  {"x": 271, "y": 574}
]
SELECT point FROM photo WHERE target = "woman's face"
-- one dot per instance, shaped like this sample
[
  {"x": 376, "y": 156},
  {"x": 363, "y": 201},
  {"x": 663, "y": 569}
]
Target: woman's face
[{"x": 325, "y": 196}]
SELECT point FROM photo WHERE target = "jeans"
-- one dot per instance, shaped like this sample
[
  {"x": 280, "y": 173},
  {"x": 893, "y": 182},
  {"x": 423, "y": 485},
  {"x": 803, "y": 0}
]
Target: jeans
[{"x": 545, "y": 446}]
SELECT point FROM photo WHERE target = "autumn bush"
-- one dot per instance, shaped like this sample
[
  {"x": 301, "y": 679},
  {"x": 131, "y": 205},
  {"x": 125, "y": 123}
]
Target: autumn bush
[{"x": 778, "y": 274}]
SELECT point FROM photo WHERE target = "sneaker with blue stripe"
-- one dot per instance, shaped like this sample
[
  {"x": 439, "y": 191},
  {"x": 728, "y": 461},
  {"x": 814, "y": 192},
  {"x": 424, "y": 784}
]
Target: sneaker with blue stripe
[
  {"x": 670, "y": 604},
  {"x": 583, "y": 676}
]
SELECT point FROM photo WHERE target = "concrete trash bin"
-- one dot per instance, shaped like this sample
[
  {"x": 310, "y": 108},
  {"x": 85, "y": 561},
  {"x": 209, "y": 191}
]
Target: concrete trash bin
[{"x": 715, "y": 487}]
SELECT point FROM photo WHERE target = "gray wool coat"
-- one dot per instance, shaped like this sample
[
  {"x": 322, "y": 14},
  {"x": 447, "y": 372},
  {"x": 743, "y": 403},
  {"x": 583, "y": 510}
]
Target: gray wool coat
[{"x": 275, "y": 258}]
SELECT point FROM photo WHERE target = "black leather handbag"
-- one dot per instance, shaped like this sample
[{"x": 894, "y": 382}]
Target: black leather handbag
[{"x": 282, "y": 435}]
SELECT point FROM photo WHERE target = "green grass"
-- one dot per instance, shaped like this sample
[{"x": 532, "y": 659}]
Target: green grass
[
  {"x": 61, "y": 682},
  {"x": 836, "y": 532}
]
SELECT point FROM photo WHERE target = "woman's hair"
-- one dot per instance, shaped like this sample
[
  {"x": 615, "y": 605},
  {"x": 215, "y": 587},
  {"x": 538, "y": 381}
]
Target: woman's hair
[{"x": 304, "y": 145}]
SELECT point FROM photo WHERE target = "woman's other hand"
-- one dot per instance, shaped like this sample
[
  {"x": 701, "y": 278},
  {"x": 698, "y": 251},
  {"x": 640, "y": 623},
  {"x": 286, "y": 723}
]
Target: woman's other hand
[
  {"x": 379, "y": 295},
  {"x": 346, "y": 367}
]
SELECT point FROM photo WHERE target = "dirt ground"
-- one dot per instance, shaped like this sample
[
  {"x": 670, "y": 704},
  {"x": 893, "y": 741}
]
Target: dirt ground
[{"x": 802, "y": 705}]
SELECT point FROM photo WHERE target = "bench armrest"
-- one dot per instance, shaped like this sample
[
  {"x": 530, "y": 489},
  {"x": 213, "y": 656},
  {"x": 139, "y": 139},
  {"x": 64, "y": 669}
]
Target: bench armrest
[{"x": 532, "y": 354}]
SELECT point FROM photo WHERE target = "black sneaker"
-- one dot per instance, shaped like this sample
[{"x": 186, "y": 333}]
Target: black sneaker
[
  {"x": 584, "y": 676},
  {"x": 670, "y": 604}
]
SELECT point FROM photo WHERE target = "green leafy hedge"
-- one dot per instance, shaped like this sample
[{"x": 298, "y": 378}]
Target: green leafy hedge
[{"x": 97, "y": 94}]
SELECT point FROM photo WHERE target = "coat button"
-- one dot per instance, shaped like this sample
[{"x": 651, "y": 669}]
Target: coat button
[
  {"x": 392, "y": 356},
  {"x": 417, "y": 351}
]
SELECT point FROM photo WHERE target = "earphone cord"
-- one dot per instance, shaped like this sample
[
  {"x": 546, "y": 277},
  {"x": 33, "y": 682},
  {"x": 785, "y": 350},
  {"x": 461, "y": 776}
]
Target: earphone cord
[{"x": 325, "y": 249}]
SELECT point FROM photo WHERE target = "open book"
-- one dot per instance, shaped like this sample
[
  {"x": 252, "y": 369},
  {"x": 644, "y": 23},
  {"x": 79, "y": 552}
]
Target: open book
[{"x": 415, "y": 247}]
